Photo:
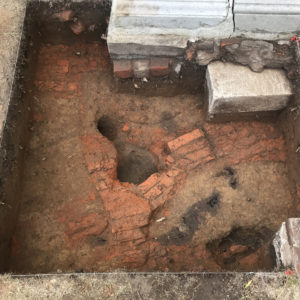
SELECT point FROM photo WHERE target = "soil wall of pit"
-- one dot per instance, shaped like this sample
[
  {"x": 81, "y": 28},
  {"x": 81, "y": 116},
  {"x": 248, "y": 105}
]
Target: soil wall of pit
[
  {"x": 15, "y": 135},
  {"x": 39, "y": 18}
]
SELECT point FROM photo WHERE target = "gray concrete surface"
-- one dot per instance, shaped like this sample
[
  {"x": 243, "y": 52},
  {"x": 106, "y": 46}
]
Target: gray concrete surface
[
  {"x": 12, "y": 15},
  {"x": 233, "y": 89},
  {"x": 151, "y": 286},
  {"x": 264, "y": 18}
]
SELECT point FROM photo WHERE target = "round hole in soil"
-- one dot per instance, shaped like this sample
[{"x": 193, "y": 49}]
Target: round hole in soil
[
  {"x": 107, "y": 128},
  {"x": 136, "y": 166}
]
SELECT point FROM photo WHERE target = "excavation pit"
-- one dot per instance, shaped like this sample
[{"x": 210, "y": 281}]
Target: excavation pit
[{"x": 150, "y": 185}]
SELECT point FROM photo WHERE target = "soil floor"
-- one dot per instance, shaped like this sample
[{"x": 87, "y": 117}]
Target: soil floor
[{"x": 126, "y": 181}]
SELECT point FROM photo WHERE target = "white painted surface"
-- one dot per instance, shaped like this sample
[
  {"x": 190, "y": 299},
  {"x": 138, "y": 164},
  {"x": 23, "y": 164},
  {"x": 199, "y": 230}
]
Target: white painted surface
[{"x": 233, "y": 88}]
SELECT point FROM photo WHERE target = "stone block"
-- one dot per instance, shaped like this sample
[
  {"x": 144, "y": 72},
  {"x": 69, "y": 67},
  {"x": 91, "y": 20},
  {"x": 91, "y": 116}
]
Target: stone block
[
  {"x": 283, "y": 249},
  {"x": 141, "y": 68},
  {"x": 236, "y": 89}
]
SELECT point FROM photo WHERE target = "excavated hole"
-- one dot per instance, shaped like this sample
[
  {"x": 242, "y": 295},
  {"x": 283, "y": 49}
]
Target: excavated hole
[
  {"x": 107, "y": 128},
  {"x": 135, "y": 164},
  {"x": 240, "y": 243}
]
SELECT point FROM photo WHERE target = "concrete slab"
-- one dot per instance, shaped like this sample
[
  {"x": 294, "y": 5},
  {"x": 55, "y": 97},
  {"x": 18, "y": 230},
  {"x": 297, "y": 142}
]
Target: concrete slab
[
  {"x": 266, "y": 18},
  {"x": 234, "y": 89}
]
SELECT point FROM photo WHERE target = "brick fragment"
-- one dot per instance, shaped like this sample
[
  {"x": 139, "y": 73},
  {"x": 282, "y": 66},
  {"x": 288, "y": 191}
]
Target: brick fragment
[
  {"x": 64, "y": 16},
  {"x": 159, "y": 66},
  {"x": 184, "y": 140},
  {"x": 200, "y": 155},
  {"x": 130, "y": 235},
  {"x": 153, "y": 193},
  {"x": 150, "y": 182},
  {"x": 123, "y": 69}
]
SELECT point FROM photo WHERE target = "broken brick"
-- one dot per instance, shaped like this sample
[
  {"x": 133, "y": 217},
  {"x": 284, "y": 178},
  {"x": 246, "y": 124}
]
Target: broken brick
[{"x": 184, "y": 140}]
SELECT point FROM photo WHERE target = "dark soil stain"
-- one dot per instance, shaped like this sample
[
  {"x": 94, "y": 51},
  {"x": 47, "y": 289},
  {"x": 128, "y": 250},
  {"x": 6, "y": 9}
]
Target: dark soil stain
[
  {"x": 194, "y": 216},
  {"x": 230, "y": 173}
]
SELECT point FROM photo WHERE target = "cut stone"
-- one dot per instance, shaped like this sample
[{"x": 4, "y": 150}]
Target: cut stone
[
  {"x": 283, "y": 249},
  {"x": 163, "y": 28},
  {"x": 287, "y": 245},
  {"x": 235, "y": 89}
]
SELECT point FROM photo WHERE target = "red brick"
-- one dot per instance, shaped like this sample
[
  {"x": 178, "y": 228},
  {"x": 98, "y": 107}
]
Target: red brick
[
  {"x": 130, "y": 235},
  {"x": 125, "y": 128},
  {"x": 92, "y": 224},
  {"x": 166, "y": 181},
  {"x": 159, "y": 66},
  {"x": 131, "y": 222},
  {"x": 157, "y": 202},
  {"x": 64, "y": 16},
  {"x": 169, "y": 160},
  {"x": 236, "y": 249},
  {"x": 123, "y": 69},
  {"x": 200, "y": 155},
  {"x": 153, "y": 193},
  {"x": 150, "y": 182},
  {"x": 124, "y": 204},
  {"x": 184, "y": 140}
]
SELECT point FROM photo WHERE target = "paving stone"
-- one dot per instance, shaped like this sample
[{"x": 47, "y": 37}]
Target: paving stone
[{"x": 236, "y": 89}]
